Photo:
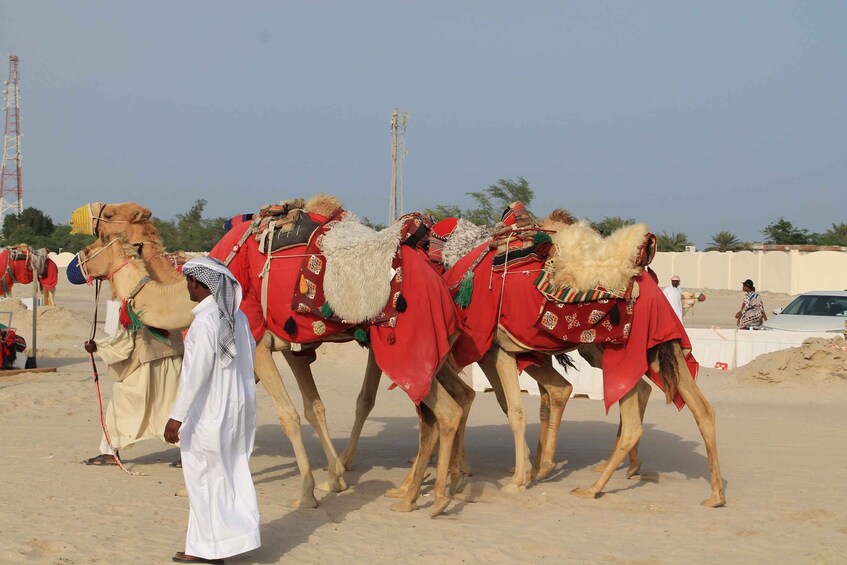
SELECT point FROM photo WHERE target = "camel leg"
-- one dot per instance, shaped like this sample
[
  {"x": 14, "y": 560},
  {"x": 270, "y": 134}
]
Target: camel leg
[
  {"x": 643, "y": 390},
  {"x": 704, "y": 415},
  {"x": 426, "y": 444},
  {"x": 630, "y": 434},
  {"x": 364, "y": 404},
  {"x": 464, "y": 395},
  {"x": 489, "y": 368},
  {"x": 544, "y": 423},
  {"x": 558, "y": 392},
  {"x": 315, "y": 413},
  {"x": 267, "y": 372},
  {"x": 507, "y": 370}
]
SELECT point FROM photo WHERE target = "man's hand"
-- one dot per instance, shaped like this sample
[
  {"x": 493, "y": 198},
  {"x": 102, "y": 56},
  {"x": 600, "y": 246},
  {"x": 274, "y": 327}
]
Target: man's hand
[
  {"x": 90, "y": 346},
  {"x": 172, "y": 431}
]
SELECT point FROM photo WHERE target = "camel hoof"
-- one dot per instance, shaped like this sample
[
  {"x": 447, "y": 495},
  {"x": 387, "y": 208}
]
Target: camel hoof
[
  {"x": 585, "y": 493},
  {"x": 339, "y": 485},
  {"x": 458, "y": 485},
  {"x": 512, "y": 488},
  {"x": 714, "y": 502},
  {"x": 545, "y": 469},
  {"x": 404, "y": 506},
  {"x": 398, "y": 492},
  {"x": 439, "y": 507},
  {"x": 633, "y": 470},
  {"x": 304, "y": 502}
]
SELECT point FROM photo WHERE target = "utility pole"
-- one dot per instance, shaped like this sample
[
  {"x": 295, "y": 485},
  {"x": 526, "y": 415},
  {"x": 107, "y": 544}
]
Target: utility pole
[
  {"x": 398, "y": 152},
  {"x": 11, "y": 178}
]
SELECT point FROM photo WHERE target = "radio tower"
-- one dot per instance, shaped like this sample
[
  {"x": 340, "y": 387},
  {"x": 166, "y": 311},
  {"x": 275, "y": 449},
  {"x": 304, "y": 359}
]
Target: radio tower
[
  {"x": 398, "y": 151},
  {"x": 11, "y": 180}
]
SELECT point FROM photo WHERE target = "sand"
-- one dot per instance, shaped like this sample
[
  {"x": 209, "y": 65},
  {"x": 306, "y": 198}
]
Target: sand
[{"x": 781, "y": 436}]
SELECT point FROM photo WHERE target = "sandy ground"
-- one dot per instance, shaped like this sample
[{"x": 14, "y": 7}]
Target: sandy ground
[{"x": 781, "y": 438}]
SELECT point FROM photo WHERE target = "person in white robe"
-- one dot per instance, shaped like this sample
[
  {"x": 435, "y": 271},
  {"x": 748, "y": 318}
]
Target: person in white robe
[
  {"x": 674, "y": 295},
  {"x": 146, "y": 369},
  {"x": 214, "y": 419}
]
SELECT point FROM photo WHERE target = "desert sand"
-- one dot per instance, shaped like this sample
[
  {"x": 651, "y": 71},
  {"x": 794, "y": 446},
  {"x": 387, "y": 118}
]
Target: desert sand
[{"x": 781, "y": 436}]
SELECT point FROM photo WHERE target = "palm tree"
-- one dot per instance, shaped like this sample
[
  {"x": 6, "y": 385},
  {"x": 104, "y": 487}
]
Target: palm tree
[
  {"x": 725, "y": 241},
  {"x": 672, "y": 242}
]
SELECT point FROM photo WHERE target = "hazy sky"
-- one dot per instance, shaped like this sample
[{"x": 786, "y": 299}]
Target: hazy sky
[{"x": 693, "y": 117}]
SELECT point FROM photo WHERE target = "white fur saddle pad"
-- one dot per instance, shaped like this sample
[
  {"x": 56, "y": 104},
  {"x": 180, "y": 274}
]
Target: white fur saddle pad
[
  {"x": 359, "y": 269},
  {"x": 584, "y": 260}
]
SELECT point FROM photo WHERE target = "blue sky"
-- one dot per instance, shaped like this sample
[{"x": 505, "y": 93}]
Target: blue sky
[{"x": 691, "y": 117}]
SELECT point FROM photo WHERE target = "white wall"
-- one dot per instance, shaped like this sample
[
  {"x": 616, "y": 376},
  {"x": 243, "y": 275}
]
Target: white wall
[{"x": 787, "y": 272}]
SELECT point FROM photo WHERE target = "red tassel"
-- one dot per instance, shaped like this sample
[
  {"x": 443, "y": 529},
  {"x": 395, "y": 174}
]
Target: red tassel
[{"x": 124, "y": 315}]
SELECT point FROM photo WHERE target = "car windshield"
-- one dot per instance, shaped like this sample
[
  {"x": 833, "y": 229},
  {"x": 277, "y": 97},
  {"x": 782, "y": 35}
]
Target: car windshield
[{"x": 813, "y": 305}]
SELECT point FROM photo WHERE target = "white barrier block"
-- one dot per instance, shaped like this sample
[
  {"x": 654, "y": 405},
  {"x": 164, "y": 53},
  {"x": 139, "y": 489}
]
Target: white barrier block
[
  {"x": 749, "y": 344},
  {"x": 586, "y": 380},
  {"x": 113, "y": 311},
  {"x": 711, "y": 346}
]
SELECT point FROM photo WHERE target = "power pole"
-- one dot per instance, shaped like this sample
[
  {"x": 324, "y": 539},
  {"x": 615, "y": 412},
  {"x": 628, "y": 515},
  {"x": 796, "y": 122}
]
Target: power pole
[
  {"x": 11, "y": 178},
  {"x": 398, "y": 152}
]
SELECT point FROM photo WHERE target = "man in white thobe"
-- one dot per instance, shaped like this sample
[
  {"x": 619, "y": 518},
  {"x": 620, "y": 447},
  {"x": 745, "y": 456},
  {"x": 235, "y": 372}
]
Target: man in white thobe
[
  {"x": 214, "y": 419},
  {"x": 674, "y": 295}
]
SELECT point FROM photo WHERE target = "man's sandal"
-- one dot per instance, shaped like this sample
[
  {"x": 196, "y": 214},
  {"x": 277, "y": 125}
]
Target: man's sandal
[
  {"x": 181, "y": 557},
  {"x": 102, "y": 460}
]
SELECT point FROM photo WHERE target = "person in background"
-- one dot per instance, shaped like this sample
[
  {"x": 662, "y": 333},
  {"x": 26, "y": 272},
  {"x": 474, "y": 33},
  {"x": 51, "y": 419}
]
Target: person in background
[
  {"x": 674, "y": 295},
  {"x": 214, "y": 418},
  {"x": 752, "y": 313}
]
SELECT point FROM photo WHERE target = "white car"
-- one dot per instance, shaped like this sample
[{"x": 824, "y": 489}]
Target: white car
[{"x": 817, "y": 311}]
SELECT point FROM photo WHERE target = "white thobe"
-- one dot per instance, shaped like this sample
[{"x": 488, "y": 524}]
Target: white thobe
[
  {"x": 217, "y": 408},
  {"x": 674, "y": 296}
]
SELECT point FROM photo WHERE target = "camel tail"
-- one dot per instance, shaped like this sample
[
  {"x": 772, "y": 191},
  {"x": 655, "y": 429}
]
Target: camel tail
[
  {"x": 668, "y": 369},
  {"x": 565, "y": 361}
]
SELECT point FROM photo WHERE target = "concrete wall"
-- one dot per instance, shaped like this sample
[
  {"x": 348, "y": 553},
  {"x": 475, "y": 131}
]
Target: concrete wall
[{"x": 788, "y": 272}]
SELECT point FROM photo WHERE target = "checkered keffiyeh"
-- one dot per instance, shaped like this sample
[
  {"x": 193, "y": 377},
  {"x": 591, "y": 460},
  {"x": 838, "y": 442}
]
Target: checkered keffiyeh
[{"x": 227, "y": 293}]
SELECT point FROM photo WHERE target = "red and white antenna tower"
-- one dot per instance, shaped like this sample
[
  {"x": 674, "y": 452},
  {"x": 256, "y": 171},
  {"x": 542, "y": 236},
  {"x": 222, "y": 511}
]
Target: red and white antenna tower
[{"x": 11, "y": 179}]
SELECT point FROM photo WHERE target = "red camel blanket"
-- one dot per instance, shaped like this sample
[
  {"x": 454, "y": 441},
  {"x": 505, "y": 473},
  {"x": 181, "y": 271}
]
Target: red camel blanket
[
  {"x": 409, "y": 353},
  {"x": 513, "y": 298},
  {"x": 50, "y": 277},
  {"x": 13, "y": 271}
]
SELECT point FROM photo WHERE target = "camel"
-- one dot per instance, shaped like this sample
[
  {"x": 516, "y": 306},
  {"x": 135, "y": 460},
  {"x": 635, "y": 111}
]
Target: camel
[
  {"x": 438, "y": 409},
  {"x": 17, "y": 263},
  {"x": 500, "y": 366}
]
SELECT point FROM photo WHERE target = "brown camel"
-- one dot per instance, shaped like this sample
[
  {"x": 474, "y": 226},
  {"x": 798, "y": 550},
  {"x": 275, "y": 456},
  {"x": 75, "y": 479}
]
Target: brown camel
[{"x": 438, "y": 408}]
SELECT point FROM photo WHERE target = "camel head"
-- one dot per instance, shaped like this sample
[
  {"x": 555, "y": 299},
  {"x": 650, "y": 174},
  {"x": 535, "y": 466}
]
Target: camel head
[
  {"x": 689, "y": 299},
  {"x": 95, "y": 218},
  {"x": 103, "y": 258}
]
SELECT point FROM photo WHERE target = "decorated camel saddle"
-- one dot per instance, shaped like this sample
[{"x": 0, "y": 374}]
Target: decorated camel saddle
[
  {"x": 566, "y": 283},
  {"x": 313, "y": 273}
]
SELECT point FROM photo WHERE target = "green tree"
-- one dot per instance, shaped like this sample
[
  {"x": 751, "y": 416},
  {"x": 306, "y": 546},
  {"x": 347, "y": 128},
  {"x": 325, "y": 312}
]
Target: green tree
[
  {"x": 493, "y": 201},
  {"x": 443, "y": 211},
  {"x": 32, "y": 226},
  {"x": 725, "y": 241},
  {"x": 189, "y": 231},
  {"x": 672, "y": 241},
  {"x": 783, "y": 232},
  {"x": 370, "y": 224},
  {"x": 836, "y": 235},
  {"x": 609, "y": 224}
]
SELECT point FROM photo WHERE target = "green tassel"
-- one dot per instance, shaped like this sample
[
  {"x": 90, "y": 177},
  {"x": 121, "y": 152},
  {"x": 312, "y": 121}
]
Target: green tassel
[
  {"x": 462, "y": 298},
  {"x": 134, "y": 321},
  {"x": 326, "y": 310},
  {"x": 361, "y": 336},
  {"x": 541, "y": 237}
]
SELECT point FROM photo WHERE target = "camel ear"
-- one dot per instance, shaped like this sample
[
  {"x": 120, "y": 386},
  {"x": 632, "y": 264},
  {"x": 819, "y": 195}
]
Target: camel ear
[{"x": 142, "y": 215}]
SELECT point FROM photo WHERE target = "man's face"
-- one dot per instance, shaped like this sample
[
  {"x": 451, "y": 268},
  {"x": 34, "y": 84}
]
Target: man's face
[
  {"x": 675, "y": 283},
  {"x": 193, "y": 289}
]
